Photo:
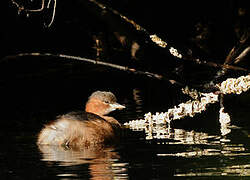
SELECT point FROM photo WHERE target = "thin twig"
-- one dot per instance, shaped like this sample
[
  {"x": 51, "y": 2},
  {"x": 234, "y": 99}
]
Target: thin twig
[
  {"x": 115, "y": 66},
  {"x": 22, "y": 8}
]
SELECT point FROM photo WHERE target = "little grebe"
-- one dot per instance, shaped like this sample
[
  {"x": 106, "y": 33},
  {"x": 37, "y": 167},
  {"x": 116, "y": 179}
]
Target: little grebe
[{"x": 84, "y": 128}]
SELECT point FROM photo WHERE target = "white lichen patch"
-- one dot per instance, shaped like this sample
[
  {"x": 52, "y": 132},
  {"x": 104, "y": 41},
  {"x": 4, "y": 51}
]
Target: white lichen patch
[
  {"x": 235, "y": 85},
  {"x": 175, "y": 52},
  {"x": 158, "y": 41},
  {"x": 191, "y": 92},
  {"x": 139, "y": 124},
  {"x": 224, "y": 119}
]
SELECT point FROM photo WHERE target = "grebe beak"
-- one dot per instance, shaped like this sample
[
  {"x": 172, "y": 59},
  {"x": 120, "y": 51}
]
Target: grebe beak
[{"x": 117, "y": 106}]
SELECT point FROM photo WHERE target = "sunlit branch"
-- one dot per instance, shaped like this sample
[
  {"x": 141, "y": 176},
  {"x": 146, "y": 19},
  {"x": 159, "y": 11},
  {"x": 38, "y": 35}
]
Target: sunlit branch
[
  {"x": 53, "y": 12},
  {"x": 242, "y": 55},
  {"x": 42, "y": 8},
  {"x": 237, "y": 54}
]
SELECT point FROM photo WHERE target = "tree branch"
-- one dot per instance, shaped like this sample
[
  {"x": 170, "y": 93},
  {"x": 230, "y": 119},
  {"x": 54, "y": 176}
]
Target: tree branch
[
  {"x": 115, "y": 66},
  {"x": 163, "y": 44}
]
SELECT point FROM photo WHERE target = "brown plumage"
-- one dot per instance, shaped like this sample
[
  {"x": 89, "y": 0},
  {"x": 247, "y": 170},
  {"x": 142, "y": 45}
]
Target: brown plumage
[{"x": 85, "y": 128}]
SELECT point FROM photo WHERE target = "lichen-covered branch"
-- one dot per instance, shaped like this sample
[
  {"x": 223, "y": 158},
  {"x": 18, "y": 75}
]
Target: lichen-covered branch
[
  {"x": 151, "y": 122},
  {"x": 235, "y": 85}
]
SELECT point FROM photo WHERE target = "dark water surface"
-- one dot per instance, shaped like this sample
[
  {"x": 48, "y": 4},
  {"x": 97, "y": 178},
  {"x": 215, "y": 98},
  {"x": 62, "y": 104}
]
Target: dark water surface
[{"x": 193, "y": 148}]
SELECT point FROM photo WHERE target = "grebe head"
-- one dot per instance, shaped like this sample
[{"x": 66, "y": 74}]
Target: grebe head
[{"x": 102, "y": 103}]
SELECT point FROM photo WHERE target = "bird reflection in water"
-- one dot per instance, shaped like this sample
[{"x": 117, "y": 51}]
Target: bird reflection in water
[{"x": 103, "y": 162}]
